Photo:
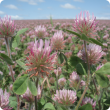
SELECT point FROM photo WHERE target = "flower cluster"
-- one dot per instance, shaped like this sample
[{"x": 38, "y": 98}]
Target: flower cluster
[
  {"x": 40, "y": 32},
  {"x": 65, "y": 97},
  {"x": 94, "y": 53},
  {"x": 57, "y": 41},
  {"x": 28, "y": 96},
  {"x": 4, "y": 100},
  {"x": 74, "y": 79},
  {"x": 61, "y": 82},
  {"x": 40, "y": 61},
  {"x": 88, "y": 100},
  {"x": 86, "y": 25},
  {"x": 7, "y": 27}
]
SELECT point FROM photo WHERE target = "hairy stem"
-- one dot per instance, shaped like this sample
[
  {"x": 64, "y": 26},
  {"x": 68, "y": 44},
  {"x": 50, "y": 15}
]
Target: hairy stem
[
  {"x": 36, "y": 108},
  {"x": 11, "y": 69},
  {"x": 88, "y": 72},
  {"x": 78, "y": 84}
]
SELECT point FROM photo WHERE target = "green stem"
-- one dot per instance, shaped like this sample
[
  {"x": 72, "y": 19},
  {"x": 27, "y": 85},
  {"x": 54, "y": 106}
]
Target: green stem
[
  {"x": 87, "y": 83},
  {"x": 36, "y": 108},
  {"x": 11, "y": 69},
  {"x": 99, "y": 102},
  {"x": 78, "y": 84},
  {"x": 30, "y": 106}
]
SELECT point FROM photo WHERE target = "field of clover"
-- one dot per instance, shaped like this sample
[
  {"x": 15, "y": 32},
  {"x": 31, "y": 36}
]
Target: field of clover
[{"x": 51, "y": 65}]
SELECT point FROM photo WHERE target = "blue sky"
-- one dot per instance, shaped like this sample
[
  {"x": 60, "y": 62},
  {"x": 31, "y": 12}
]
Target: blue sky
[{"x": 58, "y": 9}]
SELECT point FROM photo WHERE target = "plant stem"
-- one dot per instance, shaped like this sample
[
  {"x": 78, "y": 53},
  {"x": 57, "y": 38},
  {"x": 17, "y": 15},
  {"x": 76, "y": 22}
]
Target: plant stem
[
  {"x": 78, "y": 84},
  {"x": 87, "y": 83},
  {"x": 99, "y": 101},
  {"x": 37, "y": 80},
  {"x": 11, "y": 69},
  {"x": 30, "y": 106}
]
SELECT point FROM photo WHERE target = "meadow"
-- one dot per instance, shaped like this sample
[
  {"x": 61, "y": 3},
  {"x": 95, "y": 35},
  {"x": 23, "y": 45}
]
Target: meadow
[{"x": 55, "y": 64}]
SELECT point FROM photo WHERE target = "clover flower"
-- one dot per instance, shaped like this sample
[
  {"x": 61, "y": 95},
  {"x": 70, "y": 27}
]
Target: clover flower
[
  {"x": 74, "y": 80},
  {"x": 94, "y": 53},
  {"x": 27, "y": 96},
  {"x": 40, "y": 32},
  {"x": 65, "y": 97},
  {"x": 89, "y": 100},
  {"x": 86, "y": 25},
  {"x": 57, "y": 41},
  {"x": 7, "y": 27},
  {"x": 4, "y": 99},
  {"x": 62, "y": 82},
  {"x": 40, "y": 60}
]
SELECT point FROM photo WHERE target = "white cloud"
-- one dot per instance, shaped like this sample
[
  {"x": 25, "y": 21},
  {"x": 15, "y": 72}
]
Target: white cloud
[
  {"x": 11, "y": 6},
  {"x": 1, "y": 12},
  {"x": 32, "y": 2},
  {"x": 102, "y": 17},
  {"x": 78, "y": 0},
  {"x": 69, "y": 6},
  {"x": 16, "y": 17}
]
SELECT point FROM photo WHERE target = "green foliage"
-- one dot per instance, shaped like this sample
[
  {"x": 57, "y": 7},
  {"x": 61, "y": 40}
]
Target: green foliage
[
  {"x": 13, "y": 102},
  {"x": 20, "y": 85},
  {"x": 86, "y": 107},
  {"x": 61, "y": 58},
  {"x": 6, "y": 59},
  {"x": 49, "y": 106},
  {"x": 80, "y": 69},
  {"x": 102, "y": 80},
  {"x": 21, "y": 31},
  {"x": 95, "y": 42},
  {"x": 32, "y": 87},
  {"x": 105, "y": 69},
  {"x": 20, "y": 63},
  {"x": 16, "y": 40}
]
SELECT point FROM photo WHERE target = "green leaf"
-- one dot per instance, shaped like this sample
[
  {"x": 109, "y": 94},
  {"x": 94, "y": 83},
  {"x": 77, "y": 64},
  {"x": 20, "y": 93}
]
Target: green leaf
[
  {"x": 72, "y": 32},
  {"x": 14, "y": 44},
  {"x": 107, "y": 101},
  {"x": 86, "y": 107},
  {"x": 22, "y": 31},
  {"x": 95, "y": 42},
  {"x": 80, "y": 69},
  {"x": 60, "y": 58},
  {"x": 102, "y": 80},
  {"x": 13, "y": 102},
  {"x": 6, "y": 59},
  {"x": 74, "y": 60},
  {"x": 84, "y": 37},
  {"x": 42, "y": 101},
  {"x": 20, "y": 85},
  {"x": 51, "y": 21},
  {"x": 32, "y": 87},
  {"x": 105, "y": 69},
  {"x": 49, "y": 106},
  {"x": 20, "y": 63}
]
